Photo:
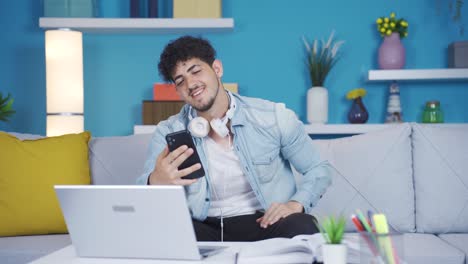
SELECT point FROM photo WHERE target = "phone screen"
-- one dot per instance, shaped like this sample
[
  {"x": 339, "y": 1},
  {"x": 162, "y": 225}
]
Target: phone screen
[{"x": 180, "y": 138}]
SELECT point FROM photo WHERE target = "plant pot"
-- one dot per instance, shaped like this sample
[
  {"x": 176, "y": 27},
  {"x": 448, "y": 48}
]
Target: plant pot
[
  {"x": 317, "y": 105},
  {"x": 334, "y": 253},
  {"x": 391, "y": 53}
]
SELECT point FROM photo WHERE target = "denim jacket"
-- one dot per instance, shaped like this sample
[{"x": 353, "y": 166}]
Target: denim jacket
[{"x": 268, "y": 138}]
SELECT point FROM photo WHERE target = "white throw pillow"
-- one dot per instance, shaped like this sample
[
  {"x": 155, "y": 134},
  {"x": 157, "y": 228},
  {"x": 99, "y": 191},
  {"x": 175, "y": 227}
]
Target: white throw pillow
[
  {"x": 373, "y": 171},
  {"x": 441, "y": 178}
]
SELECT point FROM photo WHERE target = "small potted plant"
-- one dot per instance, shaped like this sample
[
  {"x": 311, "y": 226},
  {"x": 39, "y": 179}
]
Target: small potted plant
[
  {"x": 6, "y": 110},
  {"x": 332, "y": 229},
  {"x": 321, "y": 58}
]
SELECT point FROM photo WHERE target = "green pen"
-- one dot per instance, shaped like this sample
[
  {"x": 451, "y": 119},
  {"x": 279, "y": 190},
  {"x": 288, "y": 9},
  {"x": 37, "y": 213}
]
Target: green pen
[{"x": 361, "y": 218}]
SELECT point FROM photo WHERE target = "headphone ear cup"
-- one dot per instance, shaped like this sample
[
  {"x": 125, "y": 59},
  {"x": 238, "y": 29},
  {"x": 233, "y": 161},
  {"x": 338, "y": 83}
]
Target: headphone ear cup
[
  {"x": 199, "y": 127},
  {"x": 219, "y": 127}
]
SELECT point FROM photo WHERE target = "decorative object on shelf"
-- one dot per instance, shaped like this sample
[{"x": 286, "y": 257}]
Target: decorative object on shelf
[
  {"x": 432, "y": 113},
  {"x": 70, "y": 8},
  {"x": 143, "y": 8},
  {"x": 152, "y": 8},
  {"x": 165, "y": 92},
  {"x": 391, "y": 51},
  {"x": 197, "y": 9},
  {"x": 394, "y": 113},
  {"x": 320, "y": 60},
  {"x": 232, "y": 87},
  {"x": 458, "y": 54},
  {"x": 332, "y": 230},
  {"x": 134, "y": 8},
  {"x": 64, "y": 81},
  {"x": 157, "y": 111},
  {"x": 358, "y": 113},
  {"x": 6, "y": 107}
]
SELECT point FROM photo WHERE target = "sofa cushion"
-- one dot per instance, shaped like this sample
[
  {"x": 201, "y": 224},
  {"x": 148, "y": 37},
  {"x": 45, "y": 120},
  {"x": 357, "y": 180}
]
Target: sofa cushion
[
  {"x": 459, "y": 241},
  {"x": 118, "y": 160},
  {"x": 428, "y": 249},
  {"x": 441, "y": 178},
  {"x": 23, "y": 249},
  {"x": 24, "y": 136},
  {"x": 29, "y": 170},
  {"x": 372, "y": 171}
]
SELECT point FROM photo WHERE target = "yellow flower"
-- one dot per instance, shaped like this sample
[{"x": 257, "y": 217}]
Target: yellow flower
[
  {"x": 382, "y": 30},
  {"x": 386, "y": 20},
  {"x": 392, "y": 25},
  {"x": 379, "y": 20},
  {"x": 392, "y": 15},
  {"x": 355, "y": 93},
  {"x": 389, "y": 32},
  {"x": 385, "y": 25}
]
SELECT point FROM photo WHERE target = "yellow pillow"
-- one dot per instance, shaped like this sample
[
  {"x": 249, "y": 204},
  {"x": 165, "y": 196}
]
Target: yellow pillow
[{"x": 29, "y": 170}]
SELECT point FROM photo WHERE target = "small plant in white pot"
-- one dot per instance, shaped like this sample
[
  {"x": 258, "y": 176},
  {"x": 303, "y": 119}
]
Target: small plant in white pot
[
  {"x": 321, "y": 58},
  {"x": 332, "y": 229}
]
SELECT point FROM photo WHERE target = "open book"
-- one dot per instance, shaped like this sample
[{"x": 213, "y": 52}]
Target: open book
[{"x": 300, "y": 249}]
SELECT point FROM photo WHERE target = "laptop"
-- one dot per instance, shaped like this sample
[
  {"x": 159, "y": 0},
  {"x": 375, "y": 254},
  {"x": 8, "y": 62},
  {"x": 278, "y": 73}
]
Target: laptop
[{"x": 151, "y": 222}]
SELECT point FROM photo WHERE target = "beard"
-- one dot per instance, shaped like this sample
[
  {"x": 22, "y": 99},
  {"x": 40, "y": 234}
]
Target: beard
[
  {"x": 209, "y": 104},
  {"x": 206, "y": 107}
]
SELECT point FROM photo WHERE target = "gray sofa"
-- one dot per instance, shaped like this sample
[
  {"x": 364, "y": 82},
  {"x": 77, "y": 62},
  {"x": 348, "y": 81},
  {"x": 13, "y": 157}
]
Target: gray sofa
[{"x": 416, "y": 174}]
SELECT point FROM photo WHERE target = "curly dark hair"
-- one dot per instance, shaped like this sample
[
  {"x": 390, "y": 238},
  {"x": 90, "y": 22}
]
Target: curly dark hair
[{"x": 183, "y": 49}]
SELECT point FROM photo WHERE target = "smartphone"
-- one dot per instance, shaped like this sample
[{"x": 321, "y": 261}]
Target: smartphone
[{"x": 180, "y": 138}]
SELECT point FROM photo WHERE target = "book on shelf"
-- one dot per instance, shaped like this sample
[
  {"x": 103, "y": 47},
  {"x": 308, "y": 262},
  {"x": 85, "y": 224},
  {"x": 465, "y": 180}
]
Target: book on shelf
[{"x": 197, "y": 9}]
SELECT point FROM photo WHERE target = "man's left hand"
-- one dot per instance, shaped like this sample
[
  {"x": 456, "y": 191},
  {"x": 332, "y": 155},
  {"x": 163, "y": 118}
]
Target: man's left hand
[{"x": 278, "y": 211}]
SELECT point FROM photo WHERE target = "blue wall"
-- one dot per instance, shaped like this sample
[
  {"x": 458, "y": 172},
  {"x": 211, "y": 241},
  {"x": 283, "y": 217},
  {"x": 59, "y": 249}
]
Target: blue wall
[{"x": 264, "y": 54}]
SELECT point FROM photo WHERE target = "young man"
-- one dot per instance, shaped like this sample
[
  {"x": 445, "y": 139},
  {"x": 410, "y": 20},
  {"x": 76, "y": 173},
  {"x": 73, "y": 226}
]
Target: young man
[{"x": 249, "y": 191}]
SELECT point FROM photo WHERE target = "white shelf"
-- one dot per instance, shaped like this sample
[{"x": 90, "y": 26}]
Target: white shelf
[
  {"x": 335, "y": 129},
  {"x": 140, "y": 25},
  {"x": 410, "y": 74}
]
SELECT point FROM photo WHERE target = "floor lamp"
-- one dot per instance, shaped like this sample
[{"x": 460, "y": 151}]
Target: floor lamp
[{"x": 64, "y": 79}]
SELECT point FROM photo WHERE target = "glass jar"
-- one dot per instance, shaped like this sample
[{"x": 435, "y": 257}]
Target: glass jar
[{"x": 432, "y": 113}]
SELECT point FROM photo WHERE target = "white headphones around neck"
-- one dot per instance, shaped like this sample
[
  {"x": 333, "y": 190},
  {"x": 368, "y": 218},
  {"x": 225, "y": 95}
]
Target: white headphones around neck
[{"x": 199, "y": 126}]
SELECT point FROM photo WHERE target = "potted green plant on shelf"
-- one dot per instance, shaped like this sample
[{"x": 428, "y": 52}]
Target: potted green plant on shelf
[
  {"x": 332, "y": 229},
  {"x": 6, "y": 110},
  {"x": 321, "y": 58}
]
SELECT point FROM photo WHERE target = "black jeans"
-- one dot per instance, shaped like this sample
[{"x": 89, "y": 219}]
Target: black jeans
[{"x": 245, "y": 228}]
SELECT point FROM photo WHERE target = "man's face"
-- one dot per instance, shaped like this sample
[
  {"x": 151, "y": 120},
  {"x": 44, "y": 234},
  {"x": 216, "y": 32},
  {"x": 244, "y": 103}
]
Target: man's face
[{"x": 197, "y": 83}]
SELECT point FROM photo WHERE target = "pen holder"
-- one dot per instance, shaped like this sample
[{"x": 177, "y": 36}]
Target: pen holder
[{"x": 381, "y": 249}]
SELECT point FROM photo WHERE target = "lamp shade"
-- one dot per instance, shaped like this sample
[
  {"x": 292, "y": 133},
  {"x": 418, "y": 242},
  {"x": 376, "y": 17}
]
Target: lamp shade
[{"x": 64, "y": 79}]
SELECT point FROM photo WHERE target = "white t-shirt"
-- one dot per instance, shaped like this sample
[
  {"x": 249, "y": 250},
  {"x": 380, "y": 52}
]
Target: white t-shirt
[{"x": 231, "y": 192}]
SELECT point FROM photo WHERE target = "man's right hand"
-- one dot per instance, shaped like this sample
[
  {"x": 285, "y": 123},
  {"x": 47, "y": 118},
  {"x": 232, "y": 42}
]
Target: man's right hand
[{"x": 166, "y": 170}]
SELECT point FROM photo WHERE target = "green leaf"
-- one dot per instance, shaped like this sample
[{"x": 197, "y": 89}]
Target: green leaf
[
  {"x": 6, "y": 110},
  {"x": 332, "y": 229}
]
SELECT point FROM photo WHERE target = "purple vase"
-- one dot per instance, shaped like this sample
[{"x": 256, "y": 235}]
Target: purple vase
[
  {"x": 391, "y": 53},
  {"x": 358, "y": 113}
]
